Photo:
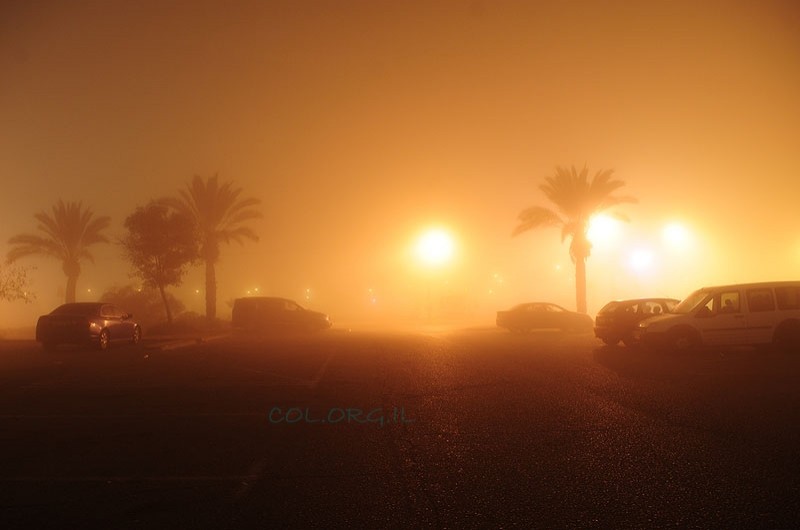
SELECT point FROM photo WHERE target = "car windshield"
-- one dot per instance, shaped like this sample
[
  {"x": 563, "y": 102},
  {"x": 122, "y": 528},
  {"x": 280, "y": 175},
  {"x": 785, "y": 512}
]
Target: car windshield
[
  {"x": 81, "y": 309},
  {"x": 691, "y": 302}
]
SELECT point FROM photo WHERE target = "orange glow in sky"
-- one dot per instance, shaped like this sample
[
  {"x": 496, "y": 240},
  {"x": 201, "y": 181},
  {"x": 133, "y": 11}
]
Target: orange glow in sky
[{"x": 355, "y": 124}]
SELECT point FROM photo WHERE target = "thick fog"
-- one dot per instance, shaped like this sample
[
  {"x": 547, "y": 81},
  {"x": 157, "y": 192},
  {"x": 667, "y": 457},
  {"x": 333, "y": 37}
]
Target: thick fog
[{"x": 360, "y": 125}]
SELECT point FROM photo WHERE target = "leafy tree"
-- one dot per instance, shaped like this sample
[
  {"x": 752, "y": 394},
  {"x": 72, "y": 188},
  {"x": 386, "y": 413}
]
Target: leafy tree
[
  {"x": 160, "y": 244},
  {"x": 219, "y": 215},
  {"x": 67, "y": 235},
  {"x": 14, "y": 283},
  {"x": 146, "y": 304},
  {"x": 576, "y": 200}
]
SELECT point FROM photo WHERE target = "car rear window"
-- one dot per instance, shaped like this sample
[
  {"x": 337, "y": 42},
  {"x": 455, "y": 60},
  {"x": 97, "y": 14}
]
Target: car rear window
[
  {"x": 76, "y": 309},
  {"x": 610, "y": 307},
  {"x": 260, "y": 304},
  {"x": 245, "y": 302}
]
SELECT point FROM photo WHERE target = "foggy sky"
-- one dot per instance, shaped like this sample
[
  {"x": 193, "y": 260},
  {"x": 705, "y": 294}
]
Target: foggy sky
[{"x": 360, "y": 123}]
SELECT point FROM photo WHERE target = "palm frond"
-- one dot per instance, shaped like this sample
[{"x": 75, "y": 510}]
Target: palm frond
[
  {"x": 536, "y": 217},
  {"x": 238, "y": 234},
  {"x": 24, "y": 245},
  {"x": 217, "y": 210},
  {"x": 68, "y": 231}
]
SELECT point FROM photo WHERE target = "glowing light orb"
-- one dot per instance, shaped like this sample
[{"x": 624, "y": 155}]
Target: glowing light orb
[
  {"x": 641, "y": 260},
  {"x": 676, "y": 236},
  {"x": 602, "y": 229},
  {"x": 435, "y": 247}
]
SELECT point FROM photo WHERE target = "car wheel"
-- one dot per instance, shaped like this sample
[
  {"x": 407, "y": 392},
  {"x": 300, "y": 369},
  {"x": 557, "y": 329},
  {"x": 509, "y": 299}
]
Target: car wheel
[
  {"x": 629, "y": 341},
  {"x": 103, "y": 341},
  {"x": 137, "y": 335},
  {"x": 683, "y": 339}
]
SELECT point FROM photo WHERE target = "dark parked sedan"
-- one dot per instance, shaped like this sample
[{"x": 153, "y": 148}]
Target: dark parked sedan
[
  {"x": 276, "y": 314},
  {"x": 541, "y": 315},
  {"x": 617, "y": 320},
  {"x": 93, "y": 323}
]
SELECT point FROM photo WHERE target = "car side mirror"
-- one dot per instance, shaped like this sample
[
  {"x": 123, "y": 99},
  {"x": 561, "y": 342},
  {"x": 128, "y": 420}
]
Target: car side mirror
[{"x": 126, "y": 316}]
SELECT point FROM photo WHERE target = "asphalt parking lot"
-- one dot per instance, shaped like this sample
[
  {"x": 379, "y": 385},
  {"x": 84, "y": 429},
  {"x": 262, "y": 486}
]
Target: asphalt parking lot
[{"x": 445, "y": 429}]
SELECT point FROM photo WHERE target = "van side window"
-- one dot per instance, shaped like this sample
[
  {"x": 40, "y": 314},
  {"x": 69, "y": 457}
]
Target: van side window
[
  {"x": 788, "y": 297},
  {"x": 727, "y": 302},
  {"x": 760, "y": 300}
]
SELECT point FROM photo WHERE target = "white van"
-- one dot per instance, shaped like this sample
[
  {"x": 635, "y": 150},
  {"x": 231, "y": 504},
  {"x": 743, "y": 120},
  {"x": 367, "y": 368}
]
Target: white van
[{"x": 731, "y": 315}]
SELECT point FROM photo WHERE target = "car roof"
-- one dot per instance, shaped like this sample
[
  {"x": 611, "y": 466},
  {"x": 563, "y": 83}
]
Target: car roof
[
  {"x": 79, "y": 307},
  {"x": 652, "y": 299},
  {"x": 264, "y": 298},
  {"x": 538, "y": 303},
  {"x": 82, "y": 305},
  {"x": 782, "y": 283}
]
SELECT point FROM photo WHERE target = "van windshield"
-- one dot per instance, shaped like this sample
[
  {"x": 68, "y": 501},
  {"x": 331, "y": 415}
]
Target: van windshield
[{"x": 691, "y": 302}]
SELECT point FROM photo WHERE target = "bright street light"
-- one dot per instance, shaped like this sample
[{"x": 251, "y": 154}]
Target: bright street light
[
  {"x": 435, "y": 247},
  {"x": 676, "y": 236}
]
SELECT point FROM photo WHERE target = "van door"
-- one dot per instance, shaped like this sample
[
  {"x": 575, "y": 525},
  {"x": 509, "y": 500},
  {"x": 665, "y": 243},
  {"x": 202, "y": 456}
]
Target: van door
[
  {"x": 722, "y": 321},
  {"x": 761, "y": 318}
]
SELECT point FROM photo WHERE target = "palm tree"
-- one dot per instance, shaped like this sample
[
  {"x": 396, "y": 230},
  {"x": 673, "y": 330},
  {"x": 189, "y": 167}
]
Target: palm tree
[
  {"x": 218, "y": 214},
  {"x": 576, "y": 200},
  {"x": 68, "y": 234}
]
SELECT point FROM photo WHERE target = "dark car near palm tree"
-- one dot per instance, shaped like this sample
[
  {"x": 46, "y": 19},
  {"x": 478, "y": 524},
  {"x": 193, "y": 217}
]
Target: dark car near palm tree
[
  {"x": 267, "y": 313},
  {"x": 93, "y": 323},
  {"x": 523, "y": 318},
  {"x": 617, "y": 320}
]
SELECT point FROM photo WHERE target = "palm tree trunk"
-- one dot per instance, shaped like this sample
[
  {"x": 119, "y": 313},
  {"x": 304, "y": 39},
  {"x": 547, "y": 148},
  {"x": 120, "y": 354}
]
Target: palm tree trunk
[
  {"x": 72, "y": 284},
  {"x": 211, "y": 290},
  {"x": 166, "y": 304},
  {"x": 580, "y": 283}
]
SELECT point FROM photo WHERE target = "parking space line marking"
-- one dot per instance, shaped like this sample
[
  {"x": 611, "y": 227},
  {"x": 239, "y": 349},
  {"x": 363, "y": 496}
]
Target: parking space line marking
[
  {"x": 321, "y": 372},
  {"x": 253, "y": 475}
]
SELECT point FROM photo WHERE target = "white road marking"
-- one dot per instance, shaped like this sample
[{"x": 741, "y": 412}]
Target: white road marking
[
  {"x": 321, "y": 372},
  {"x": 254, "y": 473}
]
